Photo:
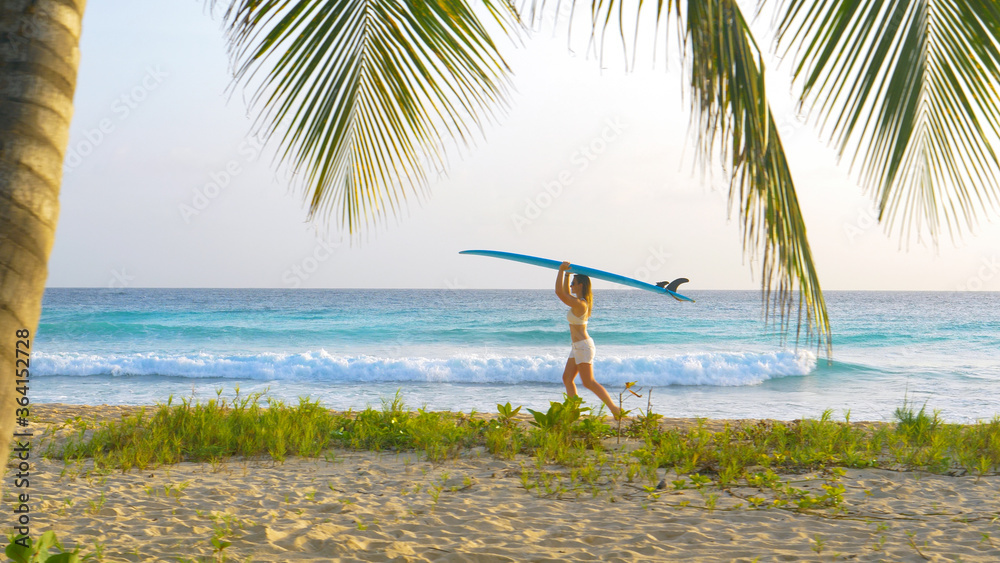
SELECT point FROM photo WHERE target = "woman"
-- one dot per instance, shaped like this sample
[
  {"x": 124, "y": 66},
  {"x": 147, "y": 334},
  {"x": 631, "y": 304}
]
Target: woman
[{"x": 580, "y": 299}]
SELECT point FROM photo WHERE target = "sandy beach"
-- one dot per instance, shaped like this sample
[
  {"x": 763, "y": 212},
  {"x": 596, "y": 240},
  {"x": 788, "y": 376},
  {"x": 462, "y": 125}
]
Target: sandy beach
[{"x": 396, "y": 506}]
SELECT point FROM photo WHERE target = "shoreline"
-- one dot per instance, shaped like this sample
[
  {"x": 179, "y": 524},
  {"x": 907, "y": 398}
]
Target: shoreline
[
  {"x": 785, "y": 399},
  {"x": 397, "y": 506}
]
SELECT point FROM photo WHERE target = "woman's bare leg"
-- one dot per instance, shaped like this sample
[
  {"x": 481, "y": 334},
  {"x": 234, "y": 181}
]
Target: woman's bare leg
[
  {"x": 569, "y": 374},
  {"x": 587, "y": 378}
]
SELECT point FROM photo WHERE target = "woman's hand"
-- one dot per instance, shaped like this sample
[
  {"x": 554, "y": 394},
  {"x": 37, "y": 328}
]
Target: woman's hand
[{"x": 564, "y": 266}]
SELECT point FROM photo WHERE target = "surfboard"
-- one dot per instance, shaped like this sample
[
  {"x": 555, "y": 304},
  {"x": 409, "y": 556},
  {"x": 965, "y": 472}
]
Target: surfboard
[{"x": 668, "y": 288}]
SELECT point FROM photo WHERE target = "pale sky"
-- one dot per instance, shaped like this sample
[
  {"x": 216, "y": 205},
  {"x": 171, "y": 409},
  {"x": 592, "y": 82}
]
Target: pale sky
[{"x": 154, "y": 127}]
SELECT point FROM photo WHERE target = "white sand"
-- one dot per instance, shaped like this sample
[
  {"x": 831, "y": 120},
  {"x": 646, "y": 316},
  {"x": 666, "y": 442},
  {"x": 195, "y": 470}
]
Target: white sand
[{"x": 385, "y": 506}]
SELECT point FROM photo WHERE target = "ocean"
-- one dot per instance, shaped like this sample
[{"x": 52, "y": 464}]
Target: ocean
[{"x": 465, "y": 350}]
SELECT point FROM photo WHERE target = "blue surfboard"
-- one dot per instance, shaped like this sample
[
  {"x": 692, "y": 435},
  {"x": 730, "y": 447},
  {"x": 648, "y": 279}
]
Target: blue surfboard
[{"x": 662, "y": 287}]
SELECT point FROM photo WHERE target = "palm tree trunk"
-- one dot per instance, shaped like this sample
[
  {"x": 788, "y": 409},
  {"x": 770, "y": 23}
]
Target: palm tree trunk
[{"x": 39, "y": 57}]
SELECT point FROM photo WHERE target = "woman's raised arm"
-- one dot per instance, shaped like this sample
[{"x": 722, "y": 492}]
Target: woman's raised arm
[{"x": 562, "y": 286}]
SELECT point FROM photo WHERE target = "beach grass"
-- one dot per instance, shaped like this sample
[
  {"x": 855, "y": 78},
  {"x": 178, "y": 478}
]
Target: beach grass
[
  {"x": 567, "y": 434},
  {"x": 564, "y": 452}
]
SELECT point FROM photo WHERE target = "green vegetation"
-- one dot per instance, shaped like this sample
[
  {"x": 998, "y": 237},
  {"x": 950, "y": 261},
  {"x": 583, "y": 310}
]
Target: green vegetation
[
  {"x": 563, "y": 452},
  {"x": 38, "y": 551},
  {"x": 567, "y": 434}
]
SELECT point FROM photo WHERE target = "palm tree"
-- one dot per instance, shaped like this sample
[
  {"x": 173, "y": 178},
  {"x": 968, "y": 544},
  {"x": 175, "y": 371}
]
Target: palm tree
[
  {"x": 39, "y": 55},
  {"x": 361, "y": 94}
]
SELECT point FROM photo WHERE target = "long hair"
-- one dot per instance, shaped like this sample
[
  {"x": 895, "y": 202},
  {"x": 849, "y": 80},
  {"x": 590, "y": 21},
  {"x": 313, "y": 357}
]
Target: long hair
[{"x": 588, "y": 295}]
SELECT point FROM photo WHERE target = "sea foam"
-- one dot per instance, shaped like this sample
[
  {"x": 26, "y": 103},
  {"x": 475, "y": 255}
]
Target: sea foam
[{"x": 708, "y": 368}]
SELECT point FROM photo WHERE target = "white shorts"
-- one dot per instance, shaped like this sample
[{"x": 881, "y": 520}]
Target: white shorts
[{"x": 583, "y": 351}]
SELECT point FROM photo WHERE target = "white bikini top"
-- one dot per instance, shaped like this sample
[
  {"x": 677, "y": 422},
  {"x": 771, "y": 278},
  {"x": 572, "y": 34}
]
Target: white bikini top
[{"x": 575, "y": 320}]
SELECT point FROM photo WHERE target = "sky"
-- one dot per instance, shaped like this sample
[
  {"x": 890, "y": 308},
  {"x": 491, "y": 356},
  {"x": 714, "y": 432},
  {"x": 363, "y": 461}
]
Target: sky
[{"x": 166, "y": 184}]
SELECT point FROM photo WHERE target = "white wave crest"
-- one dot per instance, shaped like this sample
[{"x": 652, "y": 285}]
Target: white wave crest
[{"x": 708, "y": 368}]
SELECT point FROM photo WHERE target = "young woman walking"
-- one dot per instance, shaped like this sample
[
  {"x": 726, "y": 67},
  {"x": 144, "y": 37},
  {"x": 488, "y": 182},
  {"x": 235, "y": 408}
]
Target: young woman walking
[{"x": 578, "y": 295}]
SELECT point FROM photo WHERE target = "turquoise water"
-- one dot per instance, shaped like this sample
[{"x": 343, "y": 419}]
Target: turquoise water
[{"x": 469, "y": 349}]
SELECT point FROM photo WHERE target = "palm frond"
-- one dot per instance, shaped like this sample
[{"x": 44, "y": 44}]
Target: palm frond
[
  {"x": 604, "y": 14},
  {"x": 909, "y": 86},
  {"x": 732, "y": 115},
  {"x": 730, "y": 100},
  {"x": 364, "y": 92}
]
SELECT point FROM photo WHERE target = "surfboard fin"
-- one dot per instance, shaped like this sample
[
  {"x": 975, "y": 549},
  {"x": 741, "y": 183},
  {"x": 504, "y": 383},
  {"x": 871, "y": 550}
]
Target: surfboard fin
[{"x": 672, "y": 286}]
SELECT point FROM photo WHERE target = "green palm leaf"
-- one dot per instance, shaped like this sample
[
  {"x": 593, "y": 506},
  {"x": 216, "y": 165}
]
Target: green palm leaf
[
  {"x": 911, "y": 86},
  {"x": 727, "y": 76},
  {"x": 733, "y": 115},
  {"x": 363, "y": 92}
]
